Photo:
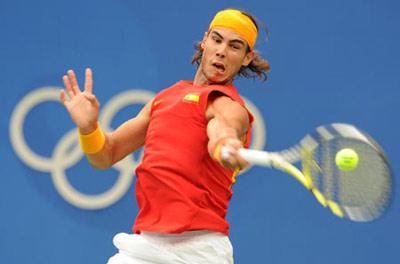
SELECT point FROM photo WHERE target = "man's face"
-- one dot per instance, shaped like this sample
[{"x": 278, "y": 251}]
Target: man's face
[{"x": 224, "y": 52}]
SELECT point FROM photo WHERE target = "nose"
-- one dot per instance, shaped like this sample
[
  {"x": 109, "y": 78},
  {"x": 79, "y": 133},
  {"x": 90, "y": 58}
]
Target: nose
[{"x": 221, "y": 51}]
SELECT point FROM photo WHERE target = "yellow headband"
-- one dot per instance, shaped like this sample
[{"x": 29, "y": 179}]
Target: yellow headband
[{"x": 238, "y": 22}]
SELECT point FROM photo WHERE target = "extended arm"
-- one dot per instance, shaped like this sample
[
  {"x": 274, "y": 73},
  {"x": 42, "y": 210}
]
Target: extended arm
[{"x": 228, "y": 123}]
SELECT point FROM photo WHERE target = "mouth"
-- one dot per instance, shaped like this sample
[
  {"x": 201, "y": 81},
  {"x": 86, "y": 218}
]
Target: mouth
[{"x": 220, "y": 67}]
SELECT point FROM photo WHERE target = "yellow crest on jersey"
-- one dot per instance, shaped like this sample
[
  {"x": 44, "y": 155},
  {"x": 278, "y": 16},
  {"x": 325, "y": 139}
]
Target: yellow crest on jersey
[{"x": 194, "y": 98}]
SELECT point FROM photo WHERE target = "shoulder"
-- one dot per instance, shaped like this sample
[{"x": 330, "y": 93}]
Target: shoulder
[{"x": 223, "y": 105}]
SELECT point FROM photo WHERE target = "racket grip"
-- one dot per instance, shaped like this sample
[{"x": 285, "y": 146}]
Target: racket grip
[{"x": 256, "y": 157}]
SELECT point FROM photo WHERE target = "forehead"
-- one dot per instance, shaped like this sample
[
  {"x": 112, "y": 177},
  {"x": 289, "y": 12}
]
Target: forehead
[{"x": 228, "y": 34}]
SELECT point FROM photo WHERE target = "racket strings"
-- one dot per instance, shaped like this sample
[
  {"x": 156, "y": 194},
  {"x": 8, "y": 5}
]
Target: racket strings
[{"x": 362, "y": 193}]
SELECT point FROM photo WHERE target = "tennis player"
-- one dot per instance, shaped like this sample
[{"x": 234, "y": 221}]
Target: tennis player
[{"x": 183, "y": 186}]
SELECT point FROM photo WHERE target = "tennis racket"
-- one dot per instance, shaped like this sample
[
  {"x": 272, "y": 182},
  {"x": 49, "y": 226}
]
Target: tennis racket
[{"x": 360, "y": 193}]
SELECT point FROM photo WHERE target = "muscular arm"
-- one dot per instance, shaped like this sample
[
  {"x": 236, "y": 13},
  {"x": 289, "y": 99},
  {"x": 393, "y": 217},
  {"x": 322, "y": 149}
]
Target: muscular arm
[
  {"x": 127, "y": 138},
  {"x": 228, "y": 122}
]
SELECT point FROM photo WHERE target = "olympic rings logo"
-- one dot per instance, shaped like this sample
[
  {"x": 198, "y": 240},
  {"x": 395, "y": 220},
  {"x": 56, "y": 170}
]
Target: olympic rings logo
[{"x": 67, "y": 152}]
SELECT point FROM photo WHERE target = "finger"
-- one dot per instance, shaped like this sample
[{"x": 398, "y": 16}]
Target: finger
[
  {"x": 74, "y": 81},
  {"x": 88, "y": 81},
  {"x": 92, "y": 98},
  {"x": 234, "y": 143},
  {"x": 63, "y": 100},
  {"x": 242, "y": 162},
  {"x": 225, "y": 153},
  {"x": 232, "y": 158},
  {"x": 228, "y": 158},
  {"x": 235, "y": 164},
  {"x": 68, "y": 86},
  {"x": 231, "y": 163}
]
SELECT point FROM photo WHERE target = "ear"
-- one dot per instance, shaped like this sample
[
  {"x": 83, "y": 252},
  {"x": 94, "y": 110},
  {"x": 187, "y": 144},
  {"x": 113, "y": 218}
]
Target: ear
[
  {"x": 248, "y": 58},
  {"x": 204, "y": 40}
]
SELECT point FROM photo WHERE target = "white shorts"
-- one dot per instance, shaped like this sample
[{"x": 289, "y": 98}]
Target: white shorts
[{"x": 194, "y": 247}]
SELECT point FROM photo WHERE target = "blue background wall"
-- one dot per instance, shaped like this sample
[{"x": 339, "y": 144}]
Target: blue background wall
[{"x": 332, "y": 61}]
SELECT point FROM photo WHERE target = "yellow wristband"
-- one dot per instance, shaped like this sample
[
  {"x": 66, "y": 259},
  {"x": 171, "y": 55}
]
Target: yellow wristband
[
  {"x": 217, "y": 151},
  {"x": 93, "y": 142}
]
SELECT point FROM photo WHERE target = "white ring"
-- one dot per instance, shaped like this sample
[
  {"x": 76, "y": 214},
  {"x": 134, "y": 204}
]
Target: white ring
[
  {"x": 126, "y": 166},
  {"x": 17, "y": 138},
  {"x": 80, "y": 200},
  {"x": 111, "y": 109},
  {"x": 63, "y": 157}
]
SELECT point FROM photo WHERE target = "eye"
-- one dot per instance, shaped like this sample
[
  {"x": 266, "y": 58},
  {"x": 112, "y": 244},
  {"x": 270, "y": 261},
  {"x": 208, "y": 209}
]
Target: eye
[
  {"x": 236, "y": 47},
  {"x": 216, "y": 39}
]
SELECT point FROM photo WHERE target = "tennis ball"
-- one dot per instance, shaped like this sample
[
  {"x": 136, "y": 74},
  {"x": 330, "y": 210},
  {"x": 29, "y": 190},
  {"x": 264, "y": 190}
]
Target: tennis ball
[{"x": 346, "y": 159}]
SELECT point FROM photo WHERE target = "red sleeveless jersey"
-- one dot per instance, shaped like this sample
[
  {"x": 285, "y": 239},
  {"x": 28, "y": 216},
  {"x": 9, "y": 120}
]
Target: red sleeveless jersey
[{"x": 179, "y": 186}]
